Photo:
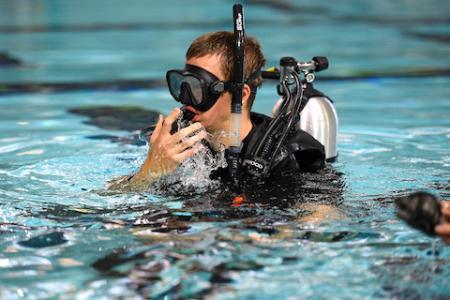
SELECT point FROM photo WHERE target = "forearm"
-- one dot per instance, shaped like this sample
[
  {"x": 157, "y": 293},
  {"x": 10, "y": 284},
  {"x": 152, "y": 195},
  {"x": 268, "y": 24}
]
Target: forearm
[
  {"x": 139, "y": 182},
  {"x": 320, "y": 213}
]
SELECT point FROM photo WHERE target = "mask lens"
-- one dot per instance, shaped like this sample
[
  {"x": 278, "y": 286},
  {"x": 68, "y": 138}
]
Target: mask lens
[
  {"x": 196, "y": 89},
  {"x": 174, "y": 81},
  {"x": 177, "y": 82}
]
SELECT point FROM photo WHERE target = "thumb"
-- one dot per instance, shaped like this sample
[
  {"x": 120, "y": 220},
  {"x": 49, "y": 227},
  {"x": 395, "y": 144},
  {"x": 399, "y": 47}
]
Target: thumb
[{"x": 157, "y": 130}]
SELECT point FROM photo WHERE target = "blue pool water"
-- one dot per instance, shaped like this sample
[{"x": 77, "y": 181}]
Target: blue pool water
[{"x": 61, "y": 238}]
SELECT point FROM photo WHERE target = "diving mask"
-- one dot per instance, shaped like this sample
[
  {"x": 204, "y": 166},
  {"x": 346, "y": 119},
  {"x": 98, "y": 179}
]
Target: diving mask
[{"x": 195, "y": 86}]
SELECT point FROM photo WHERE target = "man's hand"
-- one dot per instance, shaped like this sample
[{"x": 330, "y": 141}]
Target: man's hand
[
  {"x": 443, "y": 229},
  {"x": 167, "y": 151}
]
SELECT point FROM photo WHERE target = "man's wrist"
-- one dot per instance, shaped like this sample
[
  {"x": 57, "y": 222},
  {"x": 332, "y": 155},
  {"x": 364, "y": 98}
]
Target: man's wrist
[{"x": 146, "y": 174}]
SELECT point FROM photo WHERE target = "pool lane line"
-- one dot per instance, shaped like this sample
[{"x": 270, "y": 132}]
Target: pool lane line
[
  {"x": 140, "y": 26},
  {"x": 155, "y": 25},
  {"x": 289, "y": 7},
  {"x": 55, "y": 28},
  {"x": 430, "y": 36},
  {"x": 135, "y": 84},
  {"x": 57, "y": 87}
]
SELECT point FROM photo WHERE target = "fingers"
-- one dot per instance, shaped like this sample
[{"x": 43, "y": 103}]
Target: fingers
[
  {"x": 174, "y": 114},
  {"x": 187, "y": 131},
  {"x": 444, "y": 231},
  {"x": 168, "y": 150},
  {"x": 157, "y": 129},
  {"x": 445, "y": 209},
  {"x": 191, "y": 141},
  {"x": 188, "y": 153}
]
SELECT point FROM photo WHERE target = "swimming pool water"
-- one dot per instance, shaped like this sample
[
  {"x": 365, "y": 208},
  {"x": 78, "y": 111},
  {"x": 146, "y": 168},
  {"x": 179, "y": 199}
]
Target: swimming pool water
[{"x": 62, "y": 239}]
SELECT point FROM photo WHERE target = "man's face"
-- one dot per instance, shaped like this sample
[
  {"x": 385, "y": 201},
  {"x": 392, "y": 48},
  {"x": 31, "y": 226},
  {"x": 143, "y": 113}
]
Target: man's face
[{"x": 217, "y": 117}]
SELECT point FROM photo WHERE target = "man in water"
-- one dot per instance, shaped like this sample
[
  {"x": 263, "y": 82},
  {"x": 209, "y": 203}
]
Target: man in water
[{"x": 209, "y": 60}]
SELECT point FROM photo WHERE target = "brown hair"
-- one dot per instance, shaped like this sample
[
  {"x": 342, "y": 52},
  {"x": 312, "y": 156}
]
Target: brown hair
[{"x": 222, "y": 43}]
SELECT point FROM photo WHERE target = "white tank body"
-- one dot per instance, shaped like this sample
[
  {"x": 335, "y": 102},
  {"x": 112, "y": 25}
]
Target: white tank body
[{"x": 320, "y": 120}]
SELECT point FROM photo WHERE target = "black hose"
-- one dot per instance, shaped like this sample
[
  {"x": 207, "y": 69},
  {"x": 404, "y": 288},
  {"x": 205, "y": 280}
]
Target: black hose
[
  {"x": 280, "y": 127},
  {"x": 294, "y": 113},
  {"x": 276, "y": 120}
]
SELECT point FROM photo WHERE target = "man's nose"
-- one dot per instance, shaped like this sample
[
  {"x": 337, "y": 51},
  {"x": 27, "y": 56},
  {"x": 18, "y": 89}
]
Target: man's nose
[{"x": 185, "y": 95}]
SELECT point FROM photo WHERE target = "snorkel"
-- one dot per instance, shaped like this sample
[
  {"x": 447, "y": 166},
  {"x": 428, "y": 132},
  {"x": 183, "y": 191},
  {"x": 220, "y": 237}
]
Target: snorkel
[{"x": 234, "y": 150}]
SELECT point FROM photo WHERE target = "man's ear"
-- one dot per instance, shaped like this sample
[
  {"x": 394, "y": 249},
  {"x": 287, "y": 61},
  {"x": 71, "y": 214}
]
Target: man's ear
[{"x": 246, "y": 93}]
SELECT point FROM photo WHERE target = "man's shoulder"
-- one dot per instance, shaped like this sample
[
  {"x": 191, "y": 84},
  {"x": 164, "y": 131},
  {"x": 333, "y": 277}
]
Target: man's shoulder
[
  {"x": 299, "y": 137},
  {"x": 301, "y": 148},
  {"x": 308, "y": 152},
  {"x": 259, "y": 119}
]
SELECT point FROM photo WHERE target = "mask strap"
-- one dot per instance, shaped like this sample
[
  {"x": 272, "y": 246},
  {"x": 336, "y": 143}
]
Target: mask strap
[
  {"x": 219, "y": 87},
  {"x": 251, "y": 78}
]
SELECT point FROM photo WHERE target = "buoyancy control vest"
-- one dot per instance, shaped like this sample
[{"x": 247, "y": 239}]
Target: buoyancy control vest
[{"x": 300, "y": 151}]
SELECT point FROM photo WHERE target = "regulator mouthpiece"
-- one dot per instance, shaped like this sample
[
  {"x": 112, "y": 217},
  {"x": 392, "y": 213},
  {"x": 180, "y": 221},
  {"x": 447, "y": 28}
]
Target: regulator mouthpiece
[{"x": 183, "y": 121}]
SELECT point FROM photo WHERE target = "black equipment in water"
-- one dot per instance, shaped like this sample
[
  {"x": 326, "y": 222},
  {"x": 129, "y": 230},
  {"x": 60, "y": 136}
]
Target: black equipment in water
[{"x": 420, "y": 210}]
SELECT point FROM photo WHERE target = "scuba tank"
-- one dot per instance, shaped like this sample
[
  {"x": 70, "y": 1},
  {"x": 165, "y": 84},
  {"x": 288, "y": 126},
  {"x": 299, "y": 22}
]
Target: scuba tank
[
  {"x": 320, "y": 120},
  {"x": 318, "y": 117}
]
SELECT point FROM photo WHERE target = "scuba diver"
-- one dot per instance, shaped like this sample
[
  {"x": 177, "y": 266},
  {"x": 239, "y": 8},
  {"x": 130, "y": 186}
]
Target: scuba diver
[
  {"x": 202, "y": 87},
  {"x": 223, "y": 71}
]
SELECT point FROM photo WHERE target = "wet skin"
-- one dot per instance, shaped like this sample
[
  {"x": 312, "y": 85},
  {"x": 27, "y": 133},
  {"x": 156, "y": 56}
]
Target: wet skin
[{"x": 443, "y": 229}]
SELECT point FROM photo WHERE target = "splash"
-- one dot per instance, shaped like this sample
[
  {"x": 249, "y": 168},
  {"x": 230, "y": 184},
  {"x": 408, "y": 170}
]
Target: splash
[{"x": 193, "y": 175}]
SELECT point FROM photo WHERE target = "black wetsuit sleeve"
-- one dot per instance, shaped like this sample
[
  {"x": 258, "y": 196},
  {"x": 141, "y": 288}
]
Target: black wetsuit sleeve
[
  {"x": 308, "y": 152},
  {"x": 302, "y": 152}
]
